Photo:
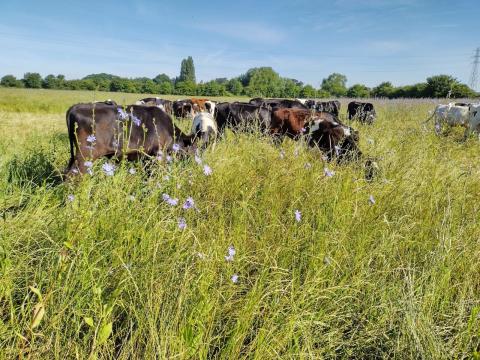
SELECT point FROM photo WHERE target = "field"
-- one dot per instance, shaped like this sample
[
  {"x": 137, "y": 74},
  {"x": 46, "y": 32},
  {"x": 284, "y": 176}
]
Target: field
[{"x": 101, "y": 268}]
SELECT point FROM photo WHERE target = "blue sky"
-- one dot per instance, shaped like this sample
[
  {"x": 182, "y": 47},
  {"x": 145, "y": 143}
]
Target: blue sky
[{"x": 369, "y": 41}]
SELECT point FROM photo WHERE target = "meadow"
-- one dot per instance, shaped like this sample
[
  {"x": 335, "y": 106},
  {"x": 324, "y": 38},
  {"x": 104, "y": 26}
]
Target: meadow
[{"x": 272, "y": 260}]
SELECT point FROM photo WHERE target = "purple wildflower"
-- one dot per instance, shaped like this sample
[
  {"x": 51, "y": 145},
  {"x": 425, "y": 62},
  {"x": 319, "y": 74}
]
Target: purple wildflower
[
  {"x": 298, "y": 215},
  {"x": 91, "y": 138},
  {"x": 189, "y": 203},
  {"x": 176, "y": 147},
  {"x": 160, "y": 157},
  {"x": 136, "y": 120},
  {"x": 109, "y": 169},
  {"x": 165, "y": 197},
  {"x": 169, "y": 158},
  {"x": 231, "y": 253},
  {"x": 75, "y": 171},
  {"x": 371, "y": 200},
  {"x": 207, "y": 170},
  {"x": 337, "y": 150},
  {"x": 182, "y": 223},
  {"x": 234, "y": 278},
  {"x": 123, "y": 115},
  {"x": 88, "y": 164},
  {"x": 303, "y": 130},
  {"x": 328, "y": 173},
  {"x": 71, "y": 197}
]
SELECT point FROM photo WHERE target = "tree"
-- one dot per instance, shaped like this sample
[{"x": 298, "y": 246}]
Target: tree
[
  {"x": 211, "y": 88},
  {"x": 161, "y": 78},
  {"x": 308, "y": 92},
  {"x": 439, "y": 86},
  {"x": 291, "y": 88},
  {"x": 53, "y": 82},
  {"x": 185, "y": 88},
  {"x": 10, "y": 81},
  {"x": 358, "y": 91},
  {"x": 32, "y": 80},
  {"x": 384, "y": 89},
  {"x": 263, "y": 81},
  {"x": 462, "y": 91},
  {"x": 335, "y": 84},
  {"x": 323, "y": 94},
  {"x": 165, "y": 88},
  {"x": 187, "y": 70},
  {"x": 149, "y": 87},
  {"x": 234, "y": 86}
]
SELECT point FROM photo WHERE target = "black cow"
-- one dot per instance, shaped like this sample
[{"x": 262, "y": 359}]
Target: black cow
[
  {"x": 333, "y": 107},
  {"x": 363, "y": 112},
  {"x": 239, "y": 115},
  {"x": 184, "y": 109},
  {"x": 98, "y": 130},
  {"x": 108, "y": 102},
  {"x": 310, "y": 104},
  {"x": 278, "y": 103},
  {"x": 163, "y": 104}
]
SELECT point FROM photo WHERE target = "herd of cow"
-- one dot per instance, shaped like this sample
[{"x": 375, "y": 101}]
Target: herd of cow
[{"x": 147, "y": 129}]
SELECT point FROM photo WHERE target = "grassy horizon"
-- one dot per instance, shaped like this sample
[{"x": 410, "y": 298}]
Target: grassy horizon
[{"x": 100, "y": 268}]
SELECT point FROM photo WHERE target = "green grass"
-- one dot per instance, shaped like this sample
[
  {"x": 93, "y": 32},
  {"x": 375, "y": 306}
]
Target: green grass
[{"x": 397, "y": 279}]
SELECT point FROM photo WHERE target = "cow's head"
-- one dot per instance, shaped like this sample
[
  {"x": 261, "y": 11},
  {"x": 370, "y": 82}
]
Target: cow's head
[{"x": 335, "y": 139}]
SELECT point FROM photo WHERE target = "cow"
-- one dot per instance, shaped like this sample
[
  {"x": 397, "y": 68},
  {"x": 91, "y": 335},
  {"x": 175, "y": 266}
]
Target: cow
[
  {"x": 204, "y": 126},
  {"x": 361, "y": 111},
  {"x": 474, "y": 118},
  {"x": 332, "y": 107},
  {"x": 322, "y": 130},
  {"x": 465, "y": 115},
  {"x": 103, "y": 130},
  {"x": 239, "y": 115},
  {"x": 108, "y": 102},
  {"x": 310, "y": 104},
  {"x": 183, "y": 109},
  {"x": 278, "y": 103},
  {"x": 163, "y": 104},
  {"x": 303, "y": 101}
]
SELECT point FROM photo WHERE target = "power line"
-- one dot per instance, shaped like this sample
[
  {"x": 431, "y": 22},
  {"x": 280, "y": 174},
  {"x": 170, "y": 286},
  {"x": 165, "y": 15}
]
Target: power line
[{"x": 474, "y": 76}]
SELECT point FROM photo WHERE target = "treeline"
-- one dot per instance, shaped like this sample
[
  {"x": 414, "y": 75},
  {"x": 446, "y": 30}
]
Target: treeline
[{"x": 263, "y": 81}]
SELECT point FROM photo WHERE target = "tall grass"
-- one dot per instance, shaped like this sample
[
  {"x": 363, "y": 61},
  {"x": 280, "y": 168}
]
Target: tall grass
[{"x": 117, "y": 278}]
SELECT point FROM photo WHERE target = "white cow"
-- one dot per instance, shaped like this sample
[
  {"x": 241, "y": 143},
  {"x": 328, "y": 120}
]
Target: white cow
[
  {"x": 205, "y": 127},
  {"x": 451, "y": 115}
]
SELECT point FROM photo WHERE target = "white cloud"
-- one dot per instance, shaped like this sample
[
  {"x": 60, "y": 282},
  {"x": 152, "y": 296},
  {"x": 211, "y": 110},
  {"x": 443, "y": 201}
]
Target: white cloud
[{"x": 246, "y": 31}]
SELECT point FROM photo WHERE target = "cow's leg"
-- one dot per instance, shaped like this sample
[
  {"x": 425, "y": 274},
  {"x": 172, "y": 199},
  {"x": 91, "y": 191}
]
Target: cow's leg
[
  {"x": 466, "y": 133},
  {"x": 438, "y": 127}
]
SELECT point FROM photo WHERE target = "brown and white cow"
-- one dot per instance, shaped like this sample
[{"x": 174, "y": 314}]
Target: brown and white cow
[{"x": 321, "y": 129}]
